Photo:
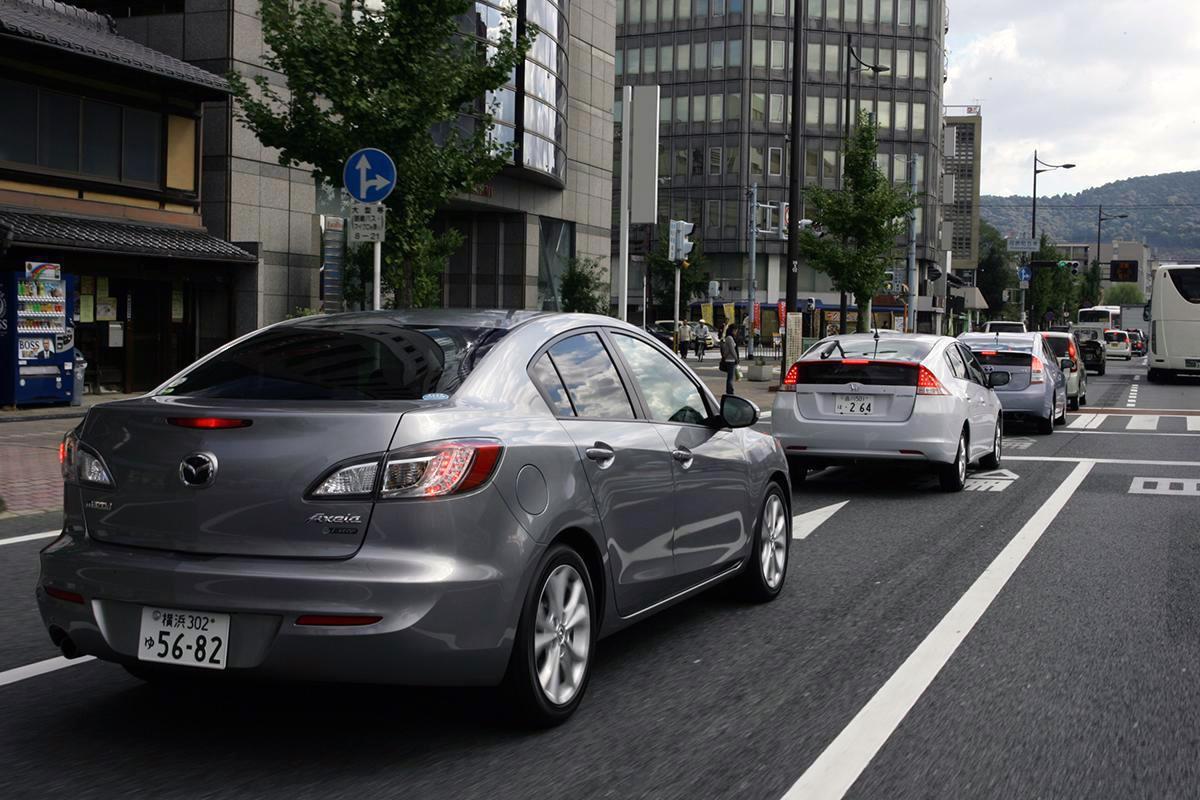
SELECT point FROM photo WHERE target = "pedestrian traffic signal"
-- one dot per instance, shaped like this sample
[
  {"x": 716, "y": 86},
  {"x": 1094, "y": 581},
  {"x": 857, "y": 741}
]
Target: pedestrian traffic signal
[{"x": 678, "y": 246}]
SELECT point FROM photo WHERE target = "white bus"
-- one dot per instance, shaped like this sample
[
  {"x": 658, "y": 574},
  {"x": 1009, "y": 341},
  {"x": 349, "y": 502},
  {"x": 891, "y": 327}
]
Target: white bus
[
  {"x": 1103, "y": 317},
  {"x": 1174, "y": 321}
]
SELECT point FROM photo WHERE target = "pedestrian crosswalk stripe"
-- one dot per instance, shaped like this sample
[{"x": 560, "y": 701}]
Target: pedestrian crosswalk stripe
[
  {"x": 1148, "y": 422},
  {"x": 1193, "y": 423}
]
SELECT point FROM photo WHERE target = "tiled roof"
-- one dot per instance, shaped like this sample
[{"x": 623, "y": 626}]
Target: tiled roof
[
  {"x": 114, "y": 236},
  {"x": 65, "y": 27}
]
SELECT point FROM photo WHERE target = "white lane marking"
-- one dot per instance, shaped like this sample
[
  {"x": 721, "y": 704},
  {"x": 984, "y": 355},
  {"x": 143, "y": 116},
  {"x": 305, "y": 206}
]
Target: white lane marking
[
  {"x": 1081, "y": 421},
  {"x": 1066, "y": 460},
  {"x": 1147, "y": 422},
  {"x": 994, "y": 481},
  {"x": 40, "y": 668},
  {"x": 804, "y": 524},
  {"x": 1138, "y": 433},
  {"x": 1179, "y": 487},
  {"x": 1018, "y": 443},
  {"x": 839, "y": 766},
  {"x": 1193, "y": 423},
  {"x": 29, "y": 537},
  {"x": 765, "y": 416},
  {"x": 1095, "y": 422}
]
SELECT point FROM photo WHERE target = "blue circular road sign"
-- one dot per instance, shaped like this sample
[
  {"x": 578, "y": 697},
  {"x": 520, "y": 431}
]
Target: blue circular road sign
[
  {"x": 369, "y": 175},
  {"x": 1024, "y": 273}
]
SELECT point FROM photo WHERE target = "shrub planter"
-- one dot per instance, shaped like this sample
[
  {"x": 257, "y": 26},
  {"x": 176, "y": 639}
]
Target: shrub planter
[{"x": 759, "y": 372}]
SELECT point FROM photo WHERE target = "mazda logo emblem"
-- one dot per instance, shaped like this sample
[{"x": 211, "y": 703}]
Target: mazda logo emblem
[{"x": 198, "y": 470}]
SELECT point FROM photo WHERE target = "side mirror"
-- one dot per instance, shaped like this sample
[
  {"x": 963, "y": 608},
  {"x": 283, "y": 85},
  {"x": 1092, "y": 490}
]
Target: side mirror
[
  {"x": 1066, "y": 364},
  {"x": 995, "y": 379},
  {"x": 738, "y": 412}
]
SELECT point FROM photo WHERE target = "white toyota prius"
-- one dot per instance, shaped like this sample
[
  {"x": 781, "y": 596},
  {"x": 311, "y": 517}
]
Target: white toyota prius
[{"x": 889, "y": 397}]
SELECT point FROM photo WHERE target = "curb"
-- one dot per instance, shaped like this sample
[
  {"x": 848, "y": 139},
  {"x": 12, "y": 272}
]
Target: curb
[{"x": 37, "y": 417}]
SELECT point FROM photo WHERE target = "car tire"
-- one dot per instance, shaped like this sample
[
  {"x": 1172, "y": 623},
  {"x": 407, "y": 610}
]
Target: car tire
[
  {"x": 1154, "y": 375},
  {"x": 1102, "y": 369},
  {"x": 528, "y": 689},
  {"x": 765, "y": 572},
  {"x": 992, "y": 460},
  {"x": 1062, "y": 418},
  {"x": 798, "y": 470},
  {"x": 1045, "y": 425},
  {"x": 953, "y": 476}
]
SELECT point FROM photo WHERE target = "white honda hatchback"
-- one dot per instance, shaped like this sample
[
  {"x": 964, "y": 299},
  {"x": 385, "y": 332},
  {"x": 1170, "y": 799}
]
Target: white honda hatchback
[{"x": 890, "y": 397}]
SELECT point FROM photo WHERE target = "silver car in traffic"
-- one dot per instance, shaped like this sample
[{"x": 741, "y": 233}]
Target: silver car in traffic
[
  {"x": 442, "y": 498},
  {"x": 889, "y": 397},
  {"x": 1037, "y": 387}
]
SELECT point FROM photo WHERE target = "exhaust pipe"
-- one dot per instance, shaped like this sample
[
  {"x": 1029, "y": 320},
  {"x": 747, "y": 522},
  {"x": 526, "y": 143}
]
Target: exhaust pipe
[{"x": 63, "y": 642}]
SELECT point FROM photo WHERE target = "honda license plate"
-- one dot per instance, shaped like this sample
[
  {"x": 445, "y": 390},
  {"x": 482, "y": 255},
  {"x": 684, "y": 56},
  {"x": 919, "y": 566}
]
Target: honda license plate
[
  {"x": 854, "y": 404},
  {"x": 186, "y": 638}
]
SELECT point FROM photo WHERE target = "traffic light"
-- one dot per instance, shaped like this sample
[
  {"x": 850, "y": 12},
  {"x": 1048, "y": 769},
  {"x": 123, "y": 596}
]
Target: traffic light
[
  {"x": 1072, "y": 265},
  {"x": 679, "y": 246}
]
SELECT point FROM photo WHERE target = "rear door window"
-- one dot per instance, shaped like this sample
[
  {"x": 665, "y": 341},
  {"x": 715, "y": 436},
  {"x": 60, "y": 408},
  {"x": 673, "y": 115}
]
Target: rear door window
[
  {"x": 546, "y": 376},
  {"x": 973, "y": 367},
  {"x": 956, "y": 363},
  {"x": 592, "y": 381},
  {"x": 1060, "y": 345},
  {"x": 669, "y": 394}
]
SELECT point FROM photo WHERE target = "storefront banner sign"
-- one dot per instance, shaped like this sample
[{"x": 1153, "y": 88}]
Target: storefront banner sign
[
  {"x": 87, "y": 308},
  {"x": 101, "y": 287},
  {"x": 106, "y": 309},
  {"x": 43, "y": 271},
  {"x": 782, "y": 311},
  {"x": 29, "y": 349},
  {"x": 706, "y": 313},
  {"x": 729, "y": 317},
  {"x": 758, "y": 316},
  {"x": 87, "y": 284}
]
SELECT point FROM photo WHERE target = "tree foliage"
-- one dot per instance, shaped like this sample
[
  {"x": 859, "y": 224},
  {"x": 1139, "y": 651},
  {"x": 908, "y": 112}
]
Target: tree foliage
[
  {"x": 1124, "y": 294},
  {"x": 392, "y": 74},
  {"x": 584, "y": 287},
  {"x": 1052, "y": 288},
  {"x": 858, "y": 225},
  {"x": 995, "y": 272},
  {"x": 693, "y": 280}
]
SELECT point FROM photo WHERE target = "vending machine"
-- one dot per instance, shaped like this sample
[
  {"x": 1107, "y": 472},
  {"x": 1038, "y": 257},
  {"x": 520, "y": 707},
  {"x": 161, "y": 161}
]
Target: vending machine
[{"x": 37, "y": 336}]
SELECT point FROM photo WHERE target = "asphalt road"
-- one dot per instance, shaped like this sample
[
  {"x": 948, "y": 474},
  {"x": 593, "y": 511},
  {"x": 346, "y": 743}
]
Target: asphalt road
[{"x": 1036, "y": 636}]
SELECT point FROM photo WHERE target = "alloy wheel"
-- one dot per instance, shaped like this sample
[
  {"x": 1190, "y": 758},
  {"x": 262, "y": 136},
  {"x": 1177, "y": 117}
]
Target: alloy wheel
[
  {"x": 562, "y": 635},
  {"x": 773, "y": 546},
  {"x": 962, "y": 459}
]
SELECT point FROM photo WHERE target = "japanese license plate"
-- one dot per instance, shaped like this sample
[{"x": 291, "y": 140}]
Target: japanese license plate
[
  {"x": 186, "y": 638},
  {"x": 854, "y": 404},
  {"x": 1191, "y": 363}
]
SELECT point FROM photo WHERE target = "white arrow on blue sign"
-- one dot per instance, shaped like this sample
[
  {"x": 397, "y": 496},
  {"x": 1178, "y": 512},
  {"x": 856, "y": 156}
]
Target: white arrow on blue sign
[
  {"x": 1024, "y": 273},
  {"x": 369, "y": 175}
]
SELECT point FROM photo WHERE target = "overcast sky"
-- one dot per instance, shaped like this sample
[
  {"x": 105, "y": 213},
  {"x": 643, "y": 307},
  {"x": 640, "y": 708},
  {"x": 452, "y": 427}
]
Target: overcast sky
[{"x": 1111, "y": 85}]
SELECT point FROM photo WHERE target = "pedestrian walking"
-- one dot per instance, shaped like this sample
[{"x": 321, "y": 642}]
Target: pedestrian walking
[
  {"x": 702, "y": 334},
  {"x": 729, "y": 358},
  {"x": 685, "y": 338}
]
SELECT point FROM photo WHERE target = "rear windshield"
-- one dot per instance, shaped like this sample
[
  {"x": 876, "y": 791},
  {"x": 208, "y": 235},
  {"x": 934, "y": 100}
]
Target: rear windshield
[
  {"x": 351, "y": 362},
  {"x": 1060, "y": 346},
  {"x": 872, "y": 373},
  {"x": 1094, "y": 316},
  {"x": 1187, "y": 283},
  {"x": 1005, "y": 358},
  {"x": 1116, "y": 336},
  {"x": 1087, "y": 334},
  {"x": 890, "y": 349},
  {"x": 1006, "y": 327}
]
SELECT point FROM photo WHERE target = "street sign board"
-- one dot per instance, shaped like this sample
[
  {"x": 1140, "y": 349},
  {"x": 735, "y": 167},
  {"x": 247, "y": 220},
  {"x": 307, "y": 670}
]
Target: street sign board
[
  {"x": 1024, "y": 285},
  {"x": 1022, "y": 245},
  {"x": 369, "y": 175},
  {"x": 1025, "y": 273},
  {"x": 367, "y": 222},
  {"x": 1123, "y": 271}
]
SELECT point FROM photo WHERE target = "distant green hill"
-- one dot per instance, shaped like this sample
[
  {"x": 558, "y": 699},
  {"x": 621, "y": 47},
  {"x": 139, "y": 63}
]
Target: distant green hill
[{"x": 1174, "y": 233}]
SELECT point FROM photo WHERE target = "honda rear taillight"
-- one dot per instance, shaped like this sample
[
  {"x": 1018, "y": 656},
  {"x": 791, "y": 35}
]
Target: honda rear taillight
[
  {"x": 1036, "y": 374},
  {"x": 791, "y": 378},
  {"x": 928, "y": 384},
  {"x": 451, "y": 467}
]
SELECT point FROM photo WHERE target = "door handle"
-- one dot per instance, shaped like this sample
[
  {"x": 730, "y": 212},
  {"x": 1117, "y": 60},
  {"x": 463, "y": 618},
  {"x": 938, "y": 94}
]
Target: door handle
[
  {"x": 683, "y": 456},
  {"x": 602, "y": 454}
]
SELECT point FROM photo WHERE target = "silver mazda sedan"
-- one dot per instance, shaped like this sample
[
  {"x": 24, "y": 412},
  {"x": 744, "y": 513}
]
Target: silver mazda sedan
[{"x": 440, "y": 498}]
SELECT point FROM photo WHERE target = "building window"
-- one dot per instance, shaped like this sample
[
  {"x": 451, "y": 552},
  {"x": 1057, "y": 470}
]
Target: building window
[
  {"x": 733, "y": 107},
  {"x": 712, "y": 213},
  {"x": 683, "y": 57},
  {"x": 731, "y": 213},
  {"x": 833, "y": 60},
  {"x": 882, "y": 160},
  {"x": 700, "y": 55},
  {"x": 620, "y": 70},
  {"x": 759, "y": 53},
  {"x": 885, "y": 116},
  {"x": 651, "y": 14},
  {"x": 635, "y": 12},
  {"x": 922, "y": 15},
  {"x": 101, "y": 140},
  {"x": 735, "y": 53},
  {"x": 621, "y": 11},
  {"x": 832, "y": 117},
  {"x": 830, "y": 166},
  {"x": 758, "y": 109},
  {"x": 902, "y": 64},
  {"x": 920, "y": 65},
  {"x": 666, "y": 58},
  {"x": 698, "y": 161},
  {"x": 633, "y": 61},
  {"x": 716, "y": 108},
  {"x": 714, "y": 160},
  {"x": 901, "y": 117},
  {"x": 775, "y": 161},
  {"x": 852, "y": 11},
  {"x": 685, "y": 8},
  {"x": 681, "y": 162},
  {"x": 701, "y": 8},
  {"x": 681, "y": 109},
  {"x": 812, "y": 60},
  {"x": 779, "y": 8},
  {"x": 732, "y": 167},
  {"x": 699, "y": 112},
  {"x": 885, "y": 58},
  {"x": 918, "y": 121},
  {"x": 716, "y": 56},
  {"x": 664, "y": 166},
  {"x": 778, "y": 55},
  {"x": 812, "y": 166},
  {"x": 664, "y": 110},
  {"x": 812, "y": 112},
  {"x": 58, "y": 131},
  {"x": 756, "y": 160},
  {"x": 557, "y": 248},
  {"x": 919, "y": 167},
  {"x": 649, "y": 58},
  {"x": 814, "y": 9},
  {"x": 900, "y": 168},
  {"x": 868, "y": 11},
  {"x": 904, "y": 13},
  {"x": 777, "y": 109}
]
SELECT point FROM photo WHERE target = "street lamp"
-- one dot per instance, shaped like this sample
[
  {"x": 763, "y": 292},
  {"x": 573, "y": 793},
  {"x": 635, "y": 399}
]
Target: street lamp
[
  {"x": 851, "y": 58},
  {"x": 1044, "y": 167},
  {"x": 1100, "y": 220}
]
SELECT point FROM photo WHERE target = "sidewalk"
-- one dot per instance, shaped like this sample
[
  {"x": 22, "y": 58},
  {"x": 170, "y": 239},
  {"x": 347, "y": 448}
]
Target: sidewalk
[{"x": 61, "y": 412}]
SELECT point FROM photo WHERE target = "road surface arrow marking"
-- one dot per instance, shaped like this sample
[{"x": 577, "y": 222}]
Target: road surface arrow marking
[{"x": 806, "y": 523}]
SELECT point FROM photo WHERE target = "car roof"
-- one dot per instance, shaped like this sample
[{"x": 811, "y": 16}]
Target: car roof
[{"x": 1009, "y": 338}]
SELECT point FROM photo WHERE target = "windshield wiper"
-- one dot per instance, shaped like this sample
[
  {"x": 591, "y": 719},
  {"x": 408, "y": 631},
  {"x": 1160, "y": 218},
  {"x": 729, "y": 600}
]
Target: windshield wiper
[{"x": 829, "y": 350}]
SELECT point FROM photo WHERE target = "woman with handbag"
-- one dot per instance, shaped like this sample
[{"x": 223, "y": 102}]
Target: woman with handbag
[{"x": 729, "y": 358}]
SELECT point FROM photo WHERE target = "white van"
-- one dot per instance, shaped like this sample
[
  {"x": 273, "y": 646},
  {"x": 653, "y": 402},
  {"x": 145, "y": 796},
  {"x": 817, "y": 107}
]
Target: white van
[
  {"x": 1003, "y": 326},
  {"x": 1174, "y": 321}
]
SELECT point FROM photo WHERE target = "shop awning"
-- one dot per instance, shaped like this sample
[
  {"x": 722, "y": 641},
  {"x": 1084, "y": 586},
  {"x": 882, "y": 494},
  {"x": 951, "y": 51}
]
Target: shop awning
[
  {"x": 115, "y": 236},
  {"x": 972, "y": 297}
]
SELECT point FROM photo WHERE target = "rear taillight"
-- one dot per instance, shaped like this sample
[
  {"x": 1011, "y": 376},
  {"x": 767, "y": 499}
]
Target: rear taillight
[
  {"x": 791, "y": 378},
  {"x": 1036, "y": 374},
  {"x": 337, "y": 620},
  {"x": 928, "y": 384},
  {"x": 451, "y": 467},
  {"x": 64, "y": 595},
  {"x": 78, "y": 463},
  {"x": 209, "y": 423},
  {"x": 349, "y": 481}
]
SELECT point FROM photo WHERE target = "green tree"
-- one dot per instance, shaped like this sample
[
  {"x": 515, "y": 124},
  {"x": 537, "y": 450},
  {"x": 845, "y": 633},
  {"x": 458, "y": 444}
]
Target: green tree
[
  {"x": 995, "y": 273},
  {"x": 1089, "y": 287},
  {"x": 397, "y": 75},
  {"x": 1052, "y": 288},
  {"x": 860, "y": 224},
  {"x": 693, "y": 280},
  {"x": 584, "y": 287},
  {"x": 1124, "y": 294}
]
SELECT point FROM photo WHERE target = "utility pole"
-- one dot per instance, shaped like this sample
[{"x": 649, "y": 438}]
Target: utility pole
[
  {"x": 626, "y": 170},
  {"x": 752, "y": 284},
  {"x": 912, "y": 250},
  {"x": 796, "y": 167}
]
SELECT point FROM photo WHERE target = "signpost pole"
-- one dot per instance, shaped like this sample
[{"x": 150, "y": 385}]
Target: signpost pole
[
  {"x": 626, "y": 170},
  {"x": 378, "y": 264}
]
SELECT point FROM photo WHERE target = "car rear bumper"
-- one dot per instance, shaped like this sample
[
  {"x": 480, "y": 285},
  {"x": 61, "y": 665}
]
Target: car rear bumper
[
  {"x": 929, "y": 434},
  {"x": 1026, "y": 403},
  {"x": 445, "y": 621}
]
